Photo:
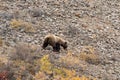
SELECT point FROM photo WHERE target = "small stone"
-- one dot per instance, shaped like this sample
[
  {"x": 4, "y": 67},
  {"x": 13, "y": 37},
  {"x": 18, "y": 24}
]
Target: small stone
[{"x": 118, "y": 39}]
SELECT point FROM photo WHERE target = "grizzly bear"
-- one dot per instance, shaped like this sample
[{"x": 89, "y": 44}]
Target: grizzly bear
[{"x": 55, "y": 42}]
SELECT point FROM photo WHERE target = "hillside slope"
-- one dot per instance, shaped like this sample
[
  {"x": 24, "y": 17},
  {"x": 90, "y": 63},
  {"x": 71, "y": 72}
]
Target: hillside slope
[{"x": 92, "y": 28}]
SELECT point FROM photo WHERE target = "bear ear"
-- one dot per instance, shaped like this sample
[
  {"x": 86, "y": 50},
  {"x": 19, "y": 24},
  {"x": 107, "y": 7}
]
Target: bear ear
[
  {"x": 65, "y": 46},
  {"x": 65, "y": 42}
]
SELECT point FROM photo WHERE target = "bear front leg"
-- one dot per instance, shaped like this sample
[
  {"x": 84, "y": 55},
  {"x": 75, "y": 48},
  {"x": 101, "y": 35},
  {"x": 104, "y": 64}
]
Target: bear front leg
[
  {"x": 56, "y": 47},
  {"x": 45, "y": 45}
]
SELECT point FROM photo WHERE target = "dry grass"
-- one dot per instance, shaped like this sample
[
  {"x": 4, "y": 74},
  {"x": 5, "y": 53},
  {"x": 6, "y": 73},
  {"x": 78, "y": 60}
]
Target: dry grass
[
  {"x": 88, "y": 50},
  {"x": 3, "y": 60},
  {"x": 23, "y": 51},
  {"x": 1, "y": 42},
  {"x": 40, "y": 76},
  {"x": 88, "y": 55},
  {"x": 69, "y": 59},
  {"x": 90, "y": 58},
  {"x": 20, "y": 24}
]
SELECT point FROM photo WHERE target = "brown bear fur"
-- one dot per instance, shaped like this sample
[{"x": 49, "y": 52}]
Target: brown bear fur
[{"x": 55, "y": 42}]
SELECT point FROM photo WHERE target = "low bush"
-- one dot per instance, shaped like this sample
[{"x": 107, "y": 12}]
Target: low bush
[{"x": 20, "y": 24}]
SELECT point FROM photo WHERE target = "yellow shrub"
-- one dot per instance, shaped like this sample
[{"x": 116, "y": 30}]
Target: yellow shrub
[
  {"x": 18, "y": 78},
  {"x": 58, "y": 73},
  {"x": 64, "y": 73},
  {"x": 45, "y": 64},
  {"x": 78, "y": 78},
  {"x": 69, "y": 73}
]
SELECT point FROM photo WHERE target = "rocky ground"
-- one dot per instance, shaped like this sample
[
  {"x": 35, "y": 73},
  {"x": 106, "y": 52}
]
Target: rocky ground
[{"x": 89, "y": 26}]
